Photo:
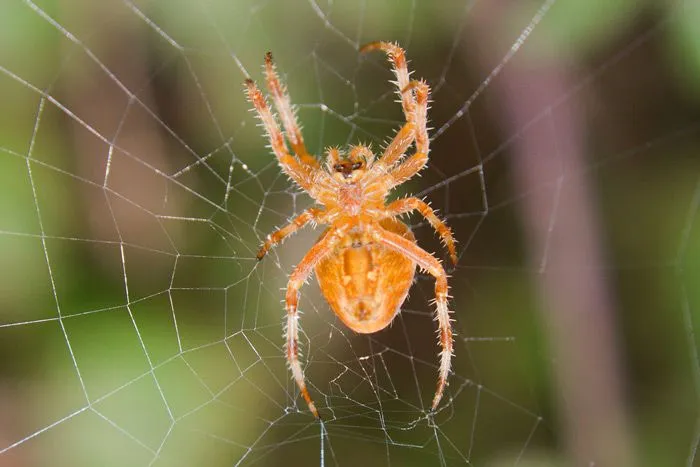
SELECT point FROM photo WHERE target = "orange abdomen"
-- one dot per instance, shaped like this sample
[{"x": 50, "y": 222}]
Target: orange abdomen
[{"x": 366, "y": 284}]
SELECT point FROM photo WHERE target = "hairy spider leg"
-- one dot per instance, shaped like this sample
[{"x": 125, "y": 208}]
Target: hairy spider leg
[
  {"x": 414, "y": 99},
  {"x": 411, "y": 166},
  {"x": 397, "y": 57},
  {"x": 427, "y": 262},
  {"x": 397, "y": 147},
  {"x": 406, "y": 205},
  {"x": 422, "y": 93},
  {"x": 298, "y": 172},
  {"x": 415, "y": 106},
  {"x": 311, "y": 214},
  {"x": 300, "y": 274},
  {"x": 287, "y": 114}
]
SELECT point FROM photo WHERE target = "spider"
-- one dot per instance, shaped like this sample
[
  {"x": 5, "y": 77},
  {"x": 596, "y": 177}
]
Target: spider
[{"x": 366, "y": 258}]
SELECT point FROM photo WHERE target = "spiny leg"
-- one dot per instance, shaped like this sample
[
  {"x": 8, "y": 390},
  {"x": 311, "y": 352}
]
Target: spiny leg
[
  {"x": 406, "y": 170},
  {"x": 284, "y": 106},
  {"x": 405, "y": 205},
  {"x": 397, "y": 56},
  {"x": 406, "y": 135},
  {"x": 422, "y": 91},
  {"x": 398, "y": 146},
  {"x": 426, "y": 261},
  {"x": 414, "y": 99},
  {"x": 295, "y": 224},
  {"x": 414, "y": 164},
  {"x": 299, "y": 173},
  {"x": 300, "y": 274}
]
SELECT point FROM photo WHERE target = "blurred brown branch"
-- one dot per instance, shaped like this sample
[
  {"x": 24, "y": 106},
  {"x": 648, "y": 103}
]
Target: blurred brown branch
[{"x": 563, "y": 236}]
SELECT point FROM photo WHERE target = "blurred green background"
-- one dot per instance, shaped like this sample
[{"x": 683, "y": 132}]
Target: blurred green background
[{"x": 136, "y": 327}]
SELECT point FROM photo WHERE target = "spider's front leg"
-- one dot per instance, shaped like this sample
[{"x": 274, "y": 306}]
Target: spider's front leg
[
  {"x": 406, "y": 205},
  {"x": 397, "y": 56},
  {"x": 301, "y": 173},
  {"x": 397, "y": 147},
  {"x": 398, "y": 174},
  {"x": 414, "y": 97},
  {"x": 420, "y": 116},
  {"x": 426, "y": 261},
  {"x": 413, "y": 165},
  {"x": 311, "y": 214},
  {"x": 289, "y": 120},
  {"x": 300, "y": 274}
]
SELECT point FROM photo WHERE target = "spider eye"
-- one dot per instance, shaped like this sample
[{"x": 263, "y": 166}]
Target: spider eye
[
  {"x": 338, "y": 167},
  {"x": 356, "y": 165}
]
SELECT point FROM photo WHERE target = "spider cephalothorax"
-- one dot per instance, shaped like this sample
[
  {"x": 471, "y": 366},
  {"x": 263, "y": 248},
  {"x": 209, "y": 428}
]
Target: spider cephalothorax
[{"x": 366, "y": 259}]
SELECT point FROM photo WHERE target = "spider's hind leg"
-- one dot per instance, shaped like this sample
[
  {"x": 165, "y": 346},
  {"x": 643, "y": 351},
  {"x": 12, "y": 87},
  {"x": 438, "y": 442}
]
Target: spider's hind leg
[
  {"x": 300, "y": 274},
  {"x": 428, "y": 262}
]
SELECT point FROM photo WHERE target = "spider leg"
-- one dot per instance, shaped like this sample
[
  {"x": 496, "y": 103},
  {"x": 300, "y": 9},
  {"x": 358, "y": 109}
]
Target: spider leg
[
  {"x": 295, "y": 224},
  {"x": 414, "y": 100},
  {"x": 397, "y": 147},
  {"x": 287, "y": 114},
  {"x": 406, "y": 170},
  {"x": 426, "y": 261},
  {"x": 414, "y": 164},
  {"x": 405, "y": 205},
  {"x": 301, "y": 174},
  {"x": 397, "y": 57},
  {"x": 300, "y": 274},
  {"x": 422, "y": 91}
]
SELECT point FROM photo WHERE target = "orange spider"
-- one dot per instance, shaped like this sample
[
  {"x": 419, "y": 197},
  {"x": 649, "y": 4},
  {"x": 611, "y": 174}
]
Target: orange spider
[{"x": 366, "y": 259}]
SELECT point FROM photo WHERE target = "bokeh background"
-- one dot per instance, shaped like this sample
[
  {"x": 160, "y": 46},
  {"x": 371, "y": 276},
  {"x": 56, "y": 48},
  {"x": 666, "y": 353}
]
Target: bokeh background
[{"x": 136, "y": 327}]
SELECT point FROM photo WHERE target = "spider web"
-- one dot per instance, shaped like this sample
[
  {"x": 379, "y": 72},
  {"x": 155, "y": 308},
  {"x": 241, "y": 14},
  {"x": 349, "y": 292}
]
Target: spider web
[{"x": 137, "y": 328}]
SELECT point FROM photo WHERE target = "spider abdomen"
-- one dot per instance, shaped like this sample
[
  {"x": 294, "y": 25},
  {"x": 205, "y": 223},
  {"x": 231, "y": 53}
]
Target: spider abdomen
[{"x": 366, "y": 284}]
